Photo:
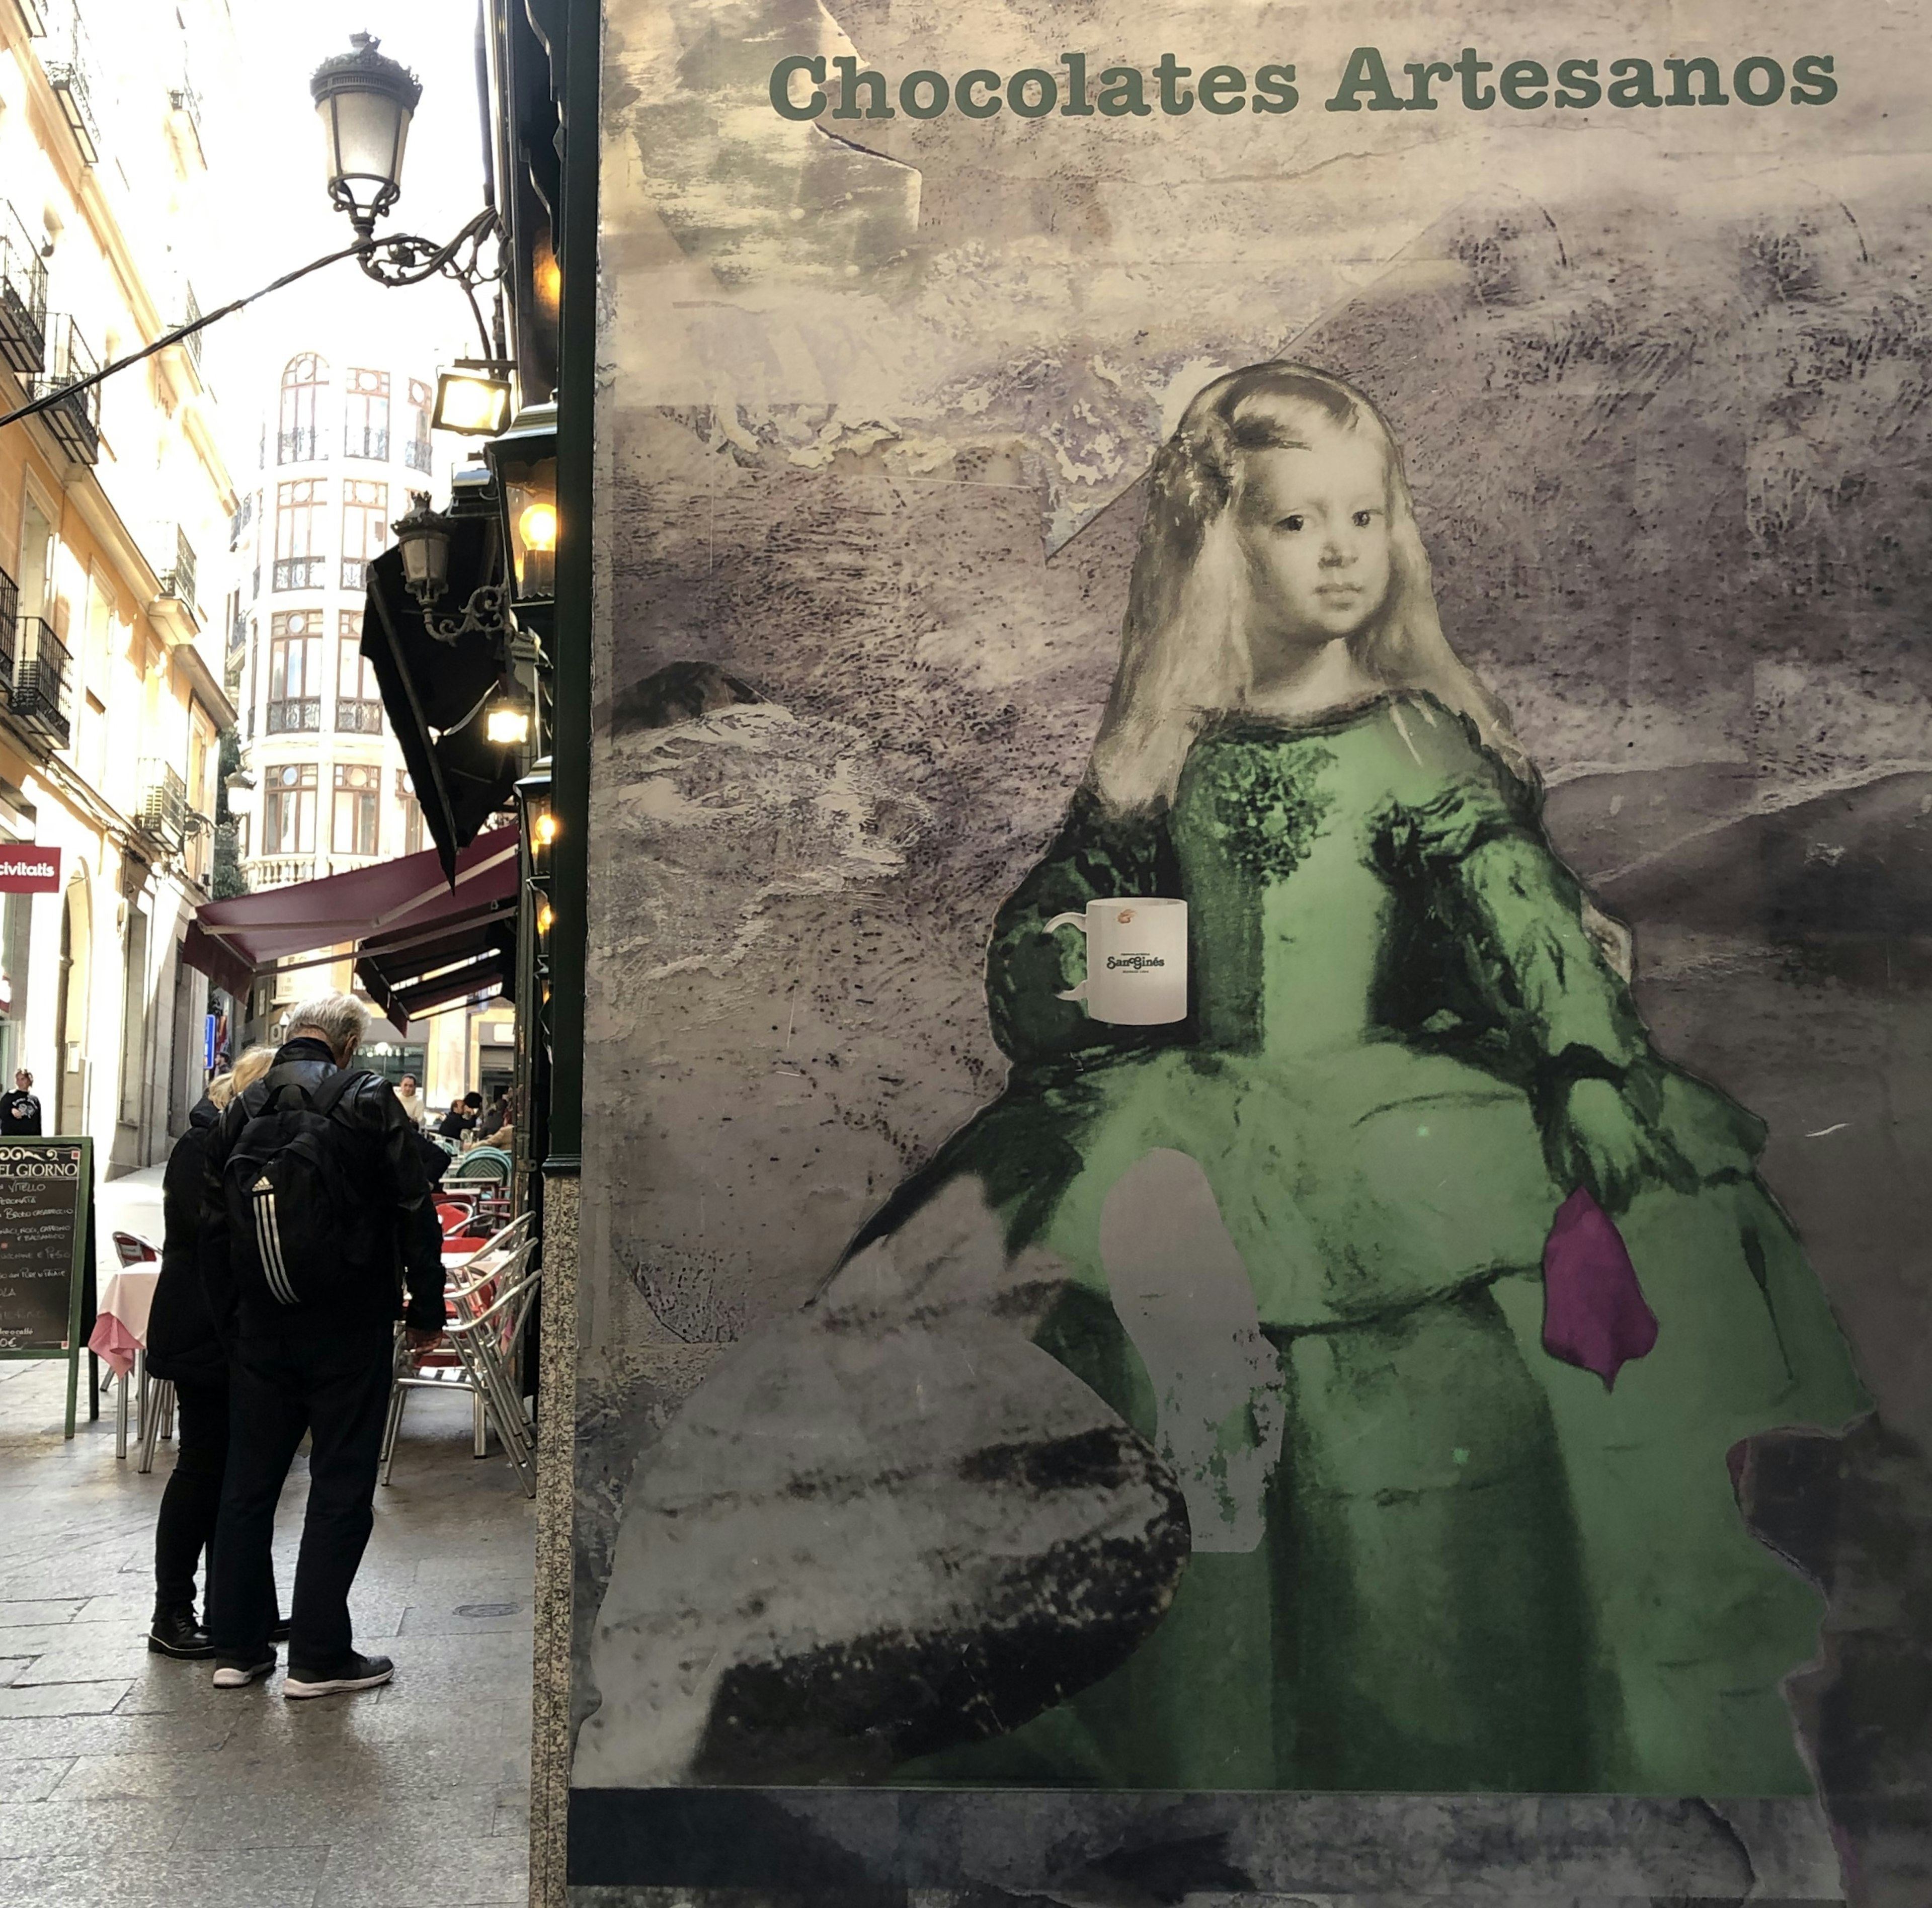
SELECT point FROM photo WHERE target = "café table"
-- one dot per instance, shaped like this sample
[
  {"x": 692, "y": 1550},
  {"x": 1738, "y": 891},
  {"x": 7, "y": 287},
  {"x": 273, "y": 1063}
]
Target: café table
[{"x": 120, "y": 1336}]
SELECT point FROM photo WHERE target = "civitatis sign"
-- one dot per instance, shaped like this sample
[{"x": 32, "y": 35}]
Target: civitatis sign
[{"x": 25, "y": 869}]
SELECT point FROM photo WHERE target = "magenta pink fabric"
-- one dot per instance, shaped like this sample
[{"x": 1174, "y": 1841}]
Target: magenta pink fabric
[
  {"x": 1595, "y": 1316},
  {"x": 111, "y": 1340}
]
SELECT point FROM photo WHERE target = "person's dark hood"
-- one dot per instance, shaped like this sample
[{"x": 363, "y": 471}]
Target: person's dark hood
[{"x": 204, "y": 1114}]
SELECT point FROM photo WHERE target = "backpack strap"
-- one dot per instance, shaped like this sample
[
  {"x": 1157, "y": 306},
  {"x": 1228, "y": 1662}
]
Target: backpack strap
[
  {"x": 338, "y": 1086},
  {"x": 323, "y": 1098}
]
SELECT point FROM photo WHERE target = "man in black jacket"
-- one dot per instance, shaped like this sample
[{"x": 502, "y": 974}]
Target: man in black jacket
[
  {"x": 20, "y": 1112},
  {"x": 322, "y": 1365}
]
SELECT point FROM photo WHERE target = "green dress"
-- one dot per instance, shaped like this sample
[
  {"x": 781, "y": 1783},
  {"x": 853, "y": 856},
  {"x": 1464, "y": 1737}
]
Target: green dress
[{"x": 1480, "y": 1568}]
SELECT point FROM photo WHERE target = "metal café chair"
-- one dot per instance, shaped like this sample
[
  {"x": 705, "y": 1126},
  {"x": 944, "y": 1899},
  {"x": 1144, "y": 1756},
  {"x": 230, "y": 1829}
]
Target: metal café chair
[
  {"x": 480, "y": 1162},
  {"x": 484, "y": 1311}
]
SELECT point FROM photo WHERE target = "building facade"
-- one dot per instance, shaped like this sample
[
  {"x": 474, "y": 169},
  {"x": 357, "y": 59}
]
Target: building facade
[
  {"x": 111, "y": 703},
  {"x": 340, "y": 445},
  {"x": 343, "y": 438}
]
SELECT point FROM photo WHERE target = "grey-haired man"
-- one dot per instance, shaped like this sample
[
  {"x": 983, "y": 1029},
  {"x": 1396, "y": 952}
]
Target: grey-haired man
[{"x": 314, "y": 1189}]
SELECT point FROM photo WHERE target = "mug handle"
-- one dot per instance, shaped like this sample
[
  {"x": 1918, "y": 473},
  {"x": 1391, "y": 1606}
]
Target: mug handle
[{"x": 1070, "y": 921}]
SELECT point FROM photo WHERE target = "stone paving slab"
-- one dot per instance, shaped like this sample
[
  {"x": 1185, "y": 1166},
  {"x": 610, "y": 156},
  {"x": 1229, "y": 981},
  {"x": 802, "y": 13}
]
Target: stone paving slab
[{"x": 127, "y": 1777}]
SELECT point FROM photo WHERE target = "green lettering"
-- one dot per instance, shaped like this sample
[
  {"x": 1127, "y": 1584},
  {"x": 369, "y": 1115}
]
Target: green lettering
[
  {"x": 1422, "y": 74},
  {"x": 1578, "y": 79},
  {"x": 1745, "y": 82},
  {"x": 1078, "y": 106},
  {"x": 1121, "y": 93},
  {"x": 1710, "y": 86},
  {"x": 978, "y": 80},
  {"x": 1365, "y": 74},
  {"x": 781, "y": 86},
  {"x": 1224, "y": 89},
  {"x": 1636, "y": 83},
  {"x": 1814, "y": 71},
  {"x": 849, "y": 80},
  {"x": 1523, "y": 83}
]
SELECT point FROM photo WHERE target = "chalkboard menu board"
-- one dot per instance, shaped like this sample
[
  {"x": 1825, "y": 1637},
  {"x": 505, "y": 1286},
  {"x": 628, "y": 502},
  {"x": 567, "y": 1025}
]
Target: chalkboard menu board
[{"x": 47, "y": 1205}]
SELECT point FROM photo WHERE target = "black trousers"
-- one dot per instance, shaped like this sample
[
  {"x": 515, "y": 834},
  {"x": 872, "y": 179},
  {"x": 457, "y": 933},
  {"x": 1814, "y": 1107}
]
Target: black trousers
[
  {"x": 185, "y": 1527},
  {"x": 336, "y": 1387}
]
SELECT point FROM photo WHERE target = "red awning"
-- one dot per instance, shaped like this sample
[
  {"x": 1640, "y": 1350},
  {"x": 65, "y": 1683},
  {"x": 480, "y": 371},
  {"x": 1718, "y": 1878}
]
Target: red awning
[{"x": 393, "y": 902}]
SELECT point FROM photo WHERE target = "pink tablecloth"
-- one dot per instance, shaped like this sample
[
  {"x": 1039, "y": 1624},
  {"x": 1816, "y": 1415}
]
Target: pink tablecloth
[{"x": 121, "y": 1321}]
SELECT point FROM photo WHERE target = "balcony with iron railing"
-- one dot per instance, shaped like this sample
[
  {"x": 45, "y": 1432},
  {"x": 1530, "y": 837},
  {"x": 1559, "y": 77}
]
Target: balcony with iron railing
[
  {"x": 305, "y": 444},
  {"x": 177, "y": 578},
  {"x": 163, "y": 810},
  {"x": 10, "y": 613},
  {"x": 295, "y": 715},
  {"x": 301, "y": 573},
  {"x": 40, "y": 696},
  {"x": 23, "y": 297},
  {"x": 76, "y": 420},
  {"x": 190, "y": 315},
  {"x": 75, "y": 77},
  {"x": 358, "y": 716},
  {"x": 416, "y": 454}
]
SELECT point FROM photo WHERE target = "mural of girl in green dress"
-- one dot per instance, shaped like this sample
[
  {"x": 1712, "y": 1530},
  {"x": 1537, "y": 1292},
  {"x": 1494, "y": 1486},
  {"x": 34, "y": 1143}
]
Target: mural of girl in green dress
[{"x": 1428, "y": 1554}]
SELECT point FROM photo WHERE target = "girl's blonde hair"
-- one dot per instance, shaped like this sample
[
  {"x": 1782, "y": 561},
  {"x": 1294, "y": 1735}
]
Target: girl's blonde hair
[
  {"x": 242, "y": 1076},
  {"x": 1184, "y": 656}
]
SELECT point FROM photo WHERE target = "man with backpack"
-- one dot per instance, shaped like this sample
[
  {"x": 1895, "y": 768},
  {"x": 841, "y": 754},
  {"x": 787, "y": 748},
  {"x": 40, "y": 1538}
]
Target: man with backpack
[{"x": 313, "y": 1193}]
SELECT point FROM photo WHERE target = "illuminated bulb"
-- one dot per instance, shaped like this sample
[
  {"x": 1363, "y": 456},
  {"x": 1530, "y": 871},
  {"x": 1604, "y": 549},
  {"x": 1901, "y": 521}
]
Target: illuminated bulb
[
  {"x": 508, "y": 727},
  {"x": 545, "y": 830},
  {"x": 537, "y": 526},
  {"x": 545, "y": 917}
]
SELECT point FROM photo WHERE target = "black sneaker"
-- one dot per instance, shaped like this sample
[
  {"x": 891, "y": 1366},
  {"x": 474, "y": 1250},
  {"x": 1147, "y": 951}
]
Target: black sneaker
[
  {"x": 175, "y": 1632},
  {"x": 354, "y": 1673},
  {"x": 232, "y": 1672}
]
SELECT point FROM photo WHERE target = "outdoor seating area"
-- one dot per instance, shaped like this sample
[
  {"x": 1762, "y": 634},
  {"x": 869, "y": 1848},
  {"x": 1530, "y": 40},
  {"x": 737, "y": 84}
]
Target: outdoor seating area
[{"x": 490, "y": 1289}]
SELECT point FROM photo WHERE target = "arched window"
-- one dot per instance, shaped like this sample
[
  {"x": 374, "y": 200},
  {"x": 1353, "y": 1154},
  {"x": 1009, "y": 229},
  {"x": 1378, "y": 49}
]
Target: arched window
[{"x": 305, "y": 378}]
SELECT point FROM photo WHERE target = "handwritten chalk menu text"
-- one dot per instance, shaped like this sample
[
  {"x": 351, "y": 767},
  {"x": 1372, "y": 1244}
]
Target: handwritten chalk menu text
[{"x": 43, "y": 1201}]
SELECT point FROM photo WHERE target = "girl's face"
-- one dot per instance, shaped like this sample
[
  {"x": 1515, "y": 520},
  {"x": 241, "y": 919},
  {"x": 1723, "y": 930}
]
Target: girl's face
[{"x": 1314, "y": 526}]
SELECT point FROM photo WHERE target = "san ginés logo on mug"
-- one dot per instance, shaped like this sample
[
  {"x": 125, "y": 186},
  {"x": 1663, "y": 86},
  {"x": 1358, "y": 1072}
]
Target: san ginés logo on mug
[{"x": 1136, "y": 959}]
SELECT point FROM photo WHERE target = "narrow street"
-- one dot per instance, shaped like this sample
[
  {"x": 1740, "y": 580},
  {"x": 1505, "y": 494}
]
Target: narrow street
[{"x": 126, "y": 1777}]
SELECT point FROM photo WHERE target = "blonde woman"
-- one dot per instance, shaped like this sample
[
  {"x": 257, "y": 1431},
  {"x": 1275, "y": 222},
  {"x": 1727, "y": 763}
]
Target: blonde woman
[
  {"x": 183, "y": 1348},
  {"x": 1428, "y": 1552}
]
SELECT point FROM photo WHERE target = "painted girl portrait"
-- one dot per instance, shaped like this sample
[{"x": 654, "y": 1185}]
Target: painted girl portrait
[{"x": 1436, "y": 1307}]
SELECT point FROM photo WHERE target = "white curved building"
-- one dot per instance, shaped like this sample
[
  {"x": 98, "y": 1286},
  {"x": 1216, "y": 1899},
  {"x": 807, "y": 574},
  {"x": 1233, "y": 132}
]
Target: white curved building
[{"x": 342, "y": 441}]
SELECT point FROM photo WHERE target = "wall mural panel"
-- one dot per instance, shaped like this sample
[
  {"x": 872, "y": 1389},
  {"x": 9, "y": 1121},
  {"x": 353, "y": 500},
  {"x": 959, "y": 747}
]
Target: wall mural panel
[{"x": 1256, "y": 1110}]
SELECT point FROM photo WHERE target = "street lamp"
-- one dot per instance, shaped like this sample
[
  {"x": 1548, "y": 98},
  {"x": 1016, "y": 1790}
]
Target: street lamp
[
  {"x": 365, "y": 100},
  {"x": 524, "y": 458},
  {"x": 506, "y": 720},
  {"x": 472, "y": 398},
  {"x": 241, "y": 787},
  {"x": 422, "y": 537}
]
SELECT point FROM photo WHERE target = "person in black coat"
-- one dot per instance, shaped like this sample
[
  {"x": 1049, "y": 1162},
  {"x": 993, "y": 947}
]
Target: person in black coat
[
  {"x": 314, "y": 1354},
  {"x": 183, "y": 1347},
  {"x": 20, "y": 1111}
]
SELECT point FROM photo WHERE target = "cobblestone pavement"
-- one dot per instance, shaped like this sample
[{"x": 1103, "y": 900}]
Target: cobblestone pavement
[{"x": 127, "y": 1778}]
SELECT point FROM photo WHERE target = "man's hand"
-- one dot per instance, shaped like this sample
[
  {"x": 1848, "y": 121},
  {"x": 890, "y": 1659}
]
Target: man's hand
[{"x": 419, "y": 1338}]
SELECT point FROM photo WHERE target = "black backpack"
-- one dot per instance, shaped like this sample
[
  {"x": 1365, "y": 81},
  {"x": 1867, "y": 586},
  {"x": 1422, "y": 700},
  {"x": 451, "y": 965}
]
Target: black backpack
[{"x": 293, "y": 1215}]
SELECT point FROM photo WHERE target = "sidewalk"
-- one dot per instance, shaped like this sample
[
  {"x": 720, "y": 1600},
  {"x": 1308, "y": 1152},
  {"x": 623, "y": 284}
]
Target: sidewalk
[{"x": 126, "y": 1778}]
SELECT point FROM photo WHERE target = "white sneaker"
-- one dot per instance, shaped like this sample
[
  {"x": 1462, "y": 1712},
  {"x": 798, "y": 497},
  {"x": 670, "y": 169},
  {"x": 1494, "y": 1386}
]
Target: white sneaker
[
  {"x": 357, "y": 1672},
  {"x": 239, "y": 1675}
]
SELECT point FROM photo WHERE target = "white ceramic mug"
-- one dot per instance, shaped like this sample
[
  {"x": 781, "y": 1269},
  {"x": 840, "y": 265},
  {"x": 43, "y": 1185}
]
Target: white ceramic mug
[{"x": 1136, "y": 959}]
